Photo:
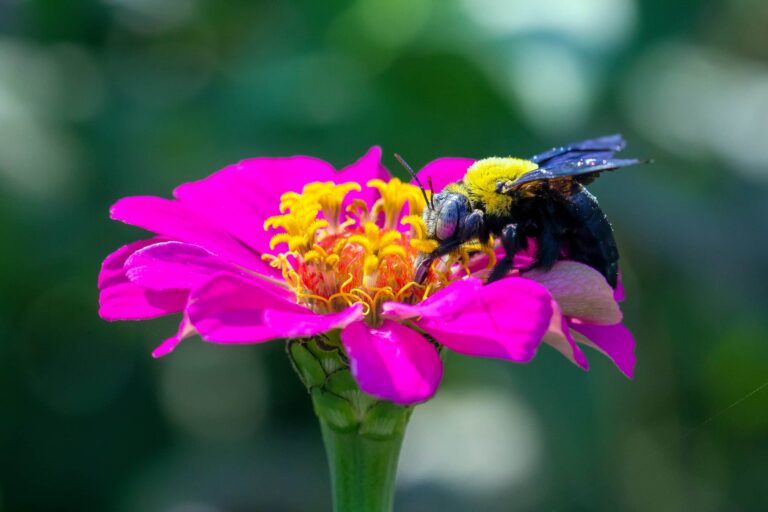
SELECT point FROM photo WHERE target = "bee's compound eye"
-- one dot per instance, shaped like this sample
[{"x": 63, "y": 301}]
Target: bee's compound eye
[{"x": 448, "y": 218}]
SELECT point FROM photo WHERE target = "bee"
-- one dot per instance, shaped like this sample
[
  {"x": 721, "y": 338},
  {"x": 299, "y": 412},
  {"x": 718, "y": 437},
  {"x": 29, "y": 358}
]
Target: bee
[{"x": 541, "y": 199}]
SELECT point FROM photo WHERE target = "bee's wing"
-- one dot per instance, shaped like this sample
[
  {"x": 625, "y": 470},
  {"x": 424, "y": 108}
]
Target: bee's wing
[
  {"x": 599, "y": 148},
  {"x": 585, "y": 169}
]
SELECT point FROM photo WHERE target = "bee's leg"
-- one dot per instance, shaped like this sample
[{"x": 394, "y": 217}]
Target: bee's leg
[
  {"x": 548, "y": 246},
  {"x": 591, "y": 240},
  {"x": 424, "y": 261},
  {"x": 512, "y": 241}
]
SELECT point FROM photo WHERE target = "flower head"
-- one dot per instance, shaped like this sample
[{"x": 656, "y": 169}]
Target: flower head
[{"x": 276, "y": 248}]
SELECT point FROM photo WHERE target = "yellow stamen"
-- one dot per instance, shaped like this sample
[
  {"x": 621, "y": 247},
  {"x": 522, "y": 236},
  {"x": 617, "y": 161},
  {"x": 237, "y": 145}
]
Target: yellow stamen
[
  {"x": 427, "y": 290},
  {"x": 313, "y": 296},
  {"x": 332, "y": 260},
  {"x": 282, "y": 238},
  {"x": 394, "y": 195},
  {"x": 297, "y": 243},
  {"x": 371, "y": 230},
  {"x": 417, "y": 225},
  {"x": 363, "y": 293},
  {"x": 392, "y": 249},
  {"x": 370, "y": 265},
  {"x": 317, "y": 248},
  {"x": 361, "y": 240},
  {"x": 406, "y": 289},
  {"x": 426, "y": 246},
  {"x": 389, "y": 237},
  {"x": 347, "y": 282},
  {"x": 312, "y": 256}
]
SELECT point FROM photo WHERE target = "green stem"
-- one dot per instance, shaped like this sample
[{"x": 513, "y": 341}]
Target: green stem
[
  {"x": 362, "y": 434},
  {"x": 363, "y": 470}
]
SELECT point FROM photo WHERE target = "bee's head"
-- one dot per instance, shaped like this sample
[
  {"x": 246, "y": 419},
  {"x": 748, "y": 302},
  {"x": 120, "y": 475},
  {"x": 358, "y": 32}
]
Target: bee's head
[
  {"x": 445, "y": 212},
  {"x": 445, "y": 218}
]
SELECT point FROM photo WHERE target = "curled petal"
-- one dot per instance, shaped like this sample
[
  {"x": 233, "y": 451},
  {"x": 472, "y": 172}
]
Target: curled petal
[
  {"x": 174, "y": 265},
  {"x": 112, "y": 271},
  {"x": 444, "y": 171},
  {"x": 166, "y": 347},
  {"x": 581, "y": 291},
  {"x": 120, "y": 299},
  {"x": 299, "y": 324},
  {"x": 392, "y": 362},
  {"x": 615, "y": 341},
  {"x": 505, "y": 319},
  {"x": 232, "y": 309},
  {"x": 559, "y": 336}
]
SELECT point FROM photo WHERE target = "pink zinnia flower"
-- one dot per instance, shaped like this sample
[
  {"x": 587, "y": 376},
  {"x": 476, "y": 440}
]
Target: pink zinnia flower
[{"x": 275, "y": 248}]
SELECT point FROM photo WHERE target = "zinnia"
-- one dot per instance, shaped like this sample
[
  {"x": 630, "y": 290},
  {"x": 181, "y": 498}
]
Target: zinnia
[{"x": 281, "y": 248}]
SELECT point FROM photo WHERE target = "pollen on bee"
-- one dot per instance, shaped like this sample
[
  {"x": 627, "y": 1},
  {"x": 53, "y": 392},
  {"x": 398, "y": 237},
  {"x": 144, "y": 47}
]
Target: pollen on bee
[{"x": 483, "y": 176}]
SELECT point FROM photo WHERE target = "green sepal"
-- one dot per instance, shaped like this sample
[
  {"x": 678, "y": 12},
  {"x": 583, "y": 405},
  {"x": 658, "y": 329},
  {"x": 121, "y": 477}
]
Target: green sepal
[
  {"x": 335, "y": 411},
  {"x": 327, "y": 350},
  {"x": 385, "y": 420},
  {"x": 306, "y": 365},
  {"x": 343, "y": 384}
]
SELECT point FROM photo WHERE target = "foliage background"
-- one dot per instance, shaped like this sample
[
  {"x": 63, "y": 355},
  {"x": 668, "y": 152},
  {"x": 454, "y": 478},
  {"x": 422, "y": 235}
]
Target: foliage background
[{"x": 102, "y": 99}]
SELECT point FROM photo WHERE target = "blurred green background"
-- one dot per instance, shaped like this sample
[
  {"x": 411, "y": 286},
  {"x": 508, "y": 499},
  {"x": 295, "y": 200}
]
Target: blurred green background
[{"x": 102, "y": 99}]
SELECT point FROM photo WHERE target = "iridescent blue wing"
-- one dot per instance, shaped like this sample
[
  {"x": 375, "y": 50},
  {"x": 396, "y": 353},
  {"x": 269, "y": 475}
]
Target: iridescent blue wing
[
  {"x": 583, "y": 160},
  {"x": 599, "y": 148},
  {"x": 585, "y": 168}
]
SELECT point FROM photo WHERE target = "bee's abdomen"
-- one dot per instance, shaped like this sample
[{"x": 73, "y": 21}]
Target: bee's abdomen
[{"x": 590, "y": 237}]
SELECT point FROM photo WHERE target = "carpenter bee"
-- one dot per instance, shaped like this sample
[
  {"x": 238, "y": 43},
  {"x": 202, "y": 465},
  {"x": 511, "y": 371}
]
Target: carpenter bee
[{"x": 542, "y": 199}]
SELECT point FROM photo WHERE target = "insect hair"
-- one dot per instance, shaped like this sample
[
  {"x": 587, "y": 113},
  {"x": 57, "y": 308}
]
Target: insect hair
[{"x": 408, "y": 168}]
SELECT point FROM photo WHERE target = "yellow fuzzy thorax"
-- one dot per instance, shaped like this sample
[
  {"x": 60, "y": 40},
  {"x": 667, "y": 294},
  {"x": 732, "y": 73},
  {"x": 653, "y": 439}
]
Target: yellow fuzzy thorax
[{"x": 483, "y": 176}]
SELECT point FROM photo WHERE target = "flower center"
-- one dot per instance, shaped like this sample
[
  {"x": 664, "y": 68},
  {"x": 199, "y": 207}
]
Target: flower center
[{"x": 340, "y": 252}]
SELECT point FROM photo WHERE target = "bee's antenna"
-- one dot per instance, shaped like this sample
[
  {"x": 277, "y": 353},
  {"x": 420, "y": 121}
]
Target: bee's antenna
[
  {"x": 413, "y": 174},
  {"x": 432, "y": 190}
]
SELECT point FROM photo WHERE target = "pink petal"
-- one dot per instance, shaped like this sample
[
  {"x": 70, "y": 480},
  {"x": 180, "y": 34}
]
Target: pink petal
[
  {"x": 166, "y": 347},
  {"x": 505, "y": 319},
  {"x": 615, "y": 341},
  {"x": 559, "y": 337},
  {"x": 112, "y": 271},
  {"x": 240, "y": 197},
  {"x": 177, "y": 221},
  {"x": 120, "y": 299},
  {"x": 392, "y": 362},
  {"x": 174, "y": 265},
  {"x": 292, "y": 324},
  {"x": 618, "y": 293},
  {"x": 581, "y": 291},
  {"x": 444, "y": 171},
  {"x": 232, "y": 309}
]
